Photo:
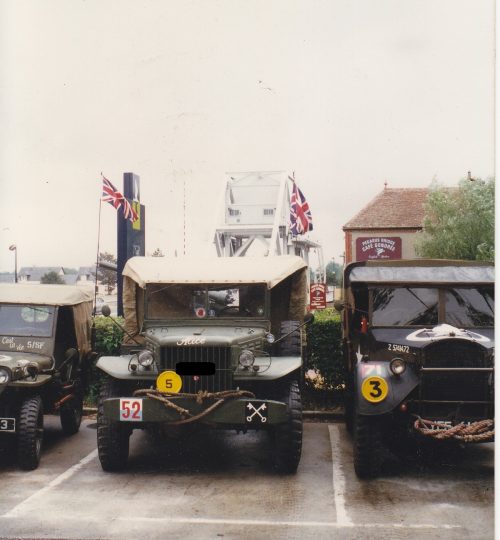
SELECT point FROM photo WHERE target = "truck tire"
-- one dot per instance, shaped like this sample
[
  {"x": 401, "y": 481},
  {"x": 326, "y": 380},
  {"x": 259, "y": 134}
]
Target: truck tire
[
  {"x": 30, "y": 433},
  {"x": 292, "y": 344},
  {"x": 367, "y": 446},
  {"x": 287, "y": 438},
  {"x": 112, "y": 437},
  {"x": 71, "y": 413}
]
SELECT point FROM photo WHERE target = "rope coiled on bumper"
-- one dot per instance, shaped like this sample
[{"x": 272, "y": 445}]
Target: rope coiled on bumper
[
  {"x": 185, "y": 414},
  {"x": 480, "y": 431}
]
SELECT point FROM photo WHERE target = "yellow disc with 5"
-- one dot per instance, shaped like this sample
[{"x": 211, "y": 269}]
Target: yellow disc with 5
[
  {"x": 169, "y": 381},
  {"x": 374, "y": 389}
]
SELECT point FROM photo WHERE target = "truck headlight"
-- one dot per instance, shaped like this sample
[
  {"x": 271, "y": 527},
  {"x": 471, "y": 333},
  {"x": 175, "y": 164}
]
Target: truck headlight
[
  {"x": 270, "y": 338},
  {"x": 4, "y": 376},
  {"x": 246, "y": 358},
  {"x": 145, "y": 358},
  {"x": 398, "y": 366}
]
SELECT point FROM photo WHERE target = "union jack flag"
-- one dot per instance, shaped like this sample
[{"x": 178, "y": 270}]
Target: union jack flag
[
  {"x": 112, "y": 196},
  {"x": 300, "y": 214}
]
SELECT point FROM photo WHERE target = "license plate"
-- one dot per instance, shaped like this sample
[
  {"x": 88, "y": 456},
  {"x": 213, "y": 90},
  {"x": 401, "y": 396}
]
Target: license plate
[
  {"x": 8, "y": 424},
  {"x": 130, "y": 410}
]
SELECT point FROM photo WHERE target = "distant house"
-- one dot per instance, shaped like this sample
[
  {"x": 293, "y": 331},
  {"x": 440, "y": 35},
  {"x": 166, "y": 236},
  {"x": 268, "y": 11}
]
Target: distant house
[
  {"x": 386, "y": 227},
  {"x": 33, "y": 274},
  {"x": 7, "y": 277}
]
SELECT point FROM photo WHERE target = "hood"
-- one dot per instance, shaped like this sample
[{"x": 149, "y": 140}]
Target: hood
[
  {"x": 420, "y": 338},
  {"x": 10, "y": 360},
  {"x": 180, "y": 336}
]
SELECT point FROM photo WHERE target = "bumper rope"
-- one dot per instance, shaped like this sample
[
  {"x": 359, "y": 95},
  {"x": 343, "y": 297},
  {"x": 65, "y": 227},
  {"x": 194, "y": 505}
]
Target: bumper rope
[
  {"x": 480, "y": 431},
  {"x": 185, "y": 414}
]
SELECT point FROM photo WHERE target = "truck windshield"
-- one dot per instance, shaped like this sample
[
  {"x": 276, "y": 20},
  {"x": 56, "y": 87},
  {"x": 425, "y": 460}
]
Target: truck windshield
[
  {"x": 17, "y": 320},
  {"x": 405, "y": 307},
  {"x": 205, "y": 301}
]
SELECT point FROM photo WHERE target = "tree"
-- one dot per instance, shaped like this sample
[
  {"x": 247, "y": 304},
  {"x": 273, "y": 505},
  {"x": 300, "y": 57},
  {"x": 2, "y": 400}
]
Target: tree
[
  {"x": 105, "y": 276},
  {"x": 334, "y": 273},
  {"x": 157, "y": 253},
  {"x": 459, "y": 222},
  {"x": 52, "y": 277}
]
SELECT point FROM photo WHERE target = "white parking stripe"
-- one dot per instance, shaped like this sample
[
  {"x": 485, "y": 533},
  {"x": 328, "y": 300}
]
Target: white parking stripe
[
  {"x": 271, "y": 523},
  {"x": 17, "y": 510},
  {"x": 338, "y": 478}
]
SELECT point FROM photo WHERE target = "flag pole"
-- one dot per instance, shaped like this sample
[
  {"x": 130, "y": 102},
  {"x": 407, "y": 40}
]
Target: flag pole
[{"x": 98, "y": 247}]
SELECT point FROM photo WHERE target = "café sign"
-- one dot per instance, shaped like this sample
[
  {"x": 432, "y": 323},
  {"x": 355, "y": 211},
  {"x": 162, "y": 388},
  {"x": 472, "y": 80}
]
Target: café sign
[
  {"x": 318, "y": 296},
  {"x": 378, "y": 247}
]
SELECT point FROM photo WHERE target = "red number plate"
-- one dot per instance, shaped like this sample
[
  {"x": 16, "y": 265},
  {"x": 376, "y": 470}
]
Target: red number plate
[{"x": 131, "y": 410}]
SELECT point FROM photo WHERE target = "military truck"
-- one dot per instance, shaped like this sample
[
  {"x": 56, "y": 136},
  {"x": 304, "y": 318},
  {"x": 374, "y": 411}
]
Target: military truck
[
  {"x": 419, "y": 351},
  {"x": 214, "y": 342},
  {"x": 45, "y": 351}
]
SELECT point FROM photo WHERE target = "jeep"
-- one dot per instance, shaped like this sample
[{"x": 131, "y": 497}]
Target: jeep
[
  {"x": 419, "y": 351},
  {"x": 45, "y": 353},
  {"x": 214, "y": 342}
]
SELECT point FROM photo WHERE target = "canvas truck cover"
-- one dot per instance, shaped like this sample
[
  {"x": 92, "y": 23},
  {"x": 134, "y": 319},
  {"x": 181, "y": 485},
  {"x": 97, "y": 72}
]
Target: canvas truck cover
[
  {"x": 271, "y": 271},
  {"x": 268, "y": 270},
  {"x": 78, "y": 298},
  {"x": 421, "y": 271}
]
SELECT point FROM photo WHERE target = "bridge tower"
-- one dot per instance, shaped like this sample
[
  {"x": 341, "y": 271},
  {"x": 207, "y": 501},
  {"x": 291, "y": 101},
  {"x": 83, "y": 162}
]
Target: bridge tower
[{"x": 253, "y": 218}]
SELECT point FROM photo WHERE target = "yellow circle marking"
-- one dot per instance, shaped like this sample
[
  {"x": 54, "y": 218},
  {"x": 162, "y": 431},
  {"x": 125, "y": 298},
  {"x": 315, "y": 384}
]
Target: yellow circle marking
[
  {"x": 169, "y": 381},
  {"x": 374, "y": 389}
]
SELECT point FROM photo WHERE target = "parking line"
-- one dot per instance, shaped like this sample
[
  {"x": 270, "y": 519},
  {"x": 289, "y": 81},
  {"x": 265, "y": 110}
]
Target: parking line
[
  {"x": 277, "y": 523},
  {"x": 17, "y": 510},
  {"x": 338, "y": 478}
]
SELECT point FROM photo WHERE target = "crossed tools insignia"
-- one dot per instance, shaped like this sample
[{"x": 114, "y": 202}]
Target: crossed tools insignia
[{"x": 251, "y": 408}]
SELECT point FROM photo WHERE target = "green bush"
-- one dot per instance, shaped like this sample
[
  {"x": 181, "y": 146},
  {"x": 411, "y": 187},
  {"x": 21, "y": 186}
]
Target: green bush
[
  {"x": 108, "y": 336},
  {"x": 107, "y": 342},
  {"x": 325, "y": 358}
]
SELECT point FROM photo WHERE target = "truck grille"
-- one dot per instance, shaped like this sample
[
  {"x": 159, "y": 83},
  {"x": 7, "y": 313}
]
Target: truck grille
[
  {"x": 459, "y": 389},
  {"x": 220, "y": 356}
]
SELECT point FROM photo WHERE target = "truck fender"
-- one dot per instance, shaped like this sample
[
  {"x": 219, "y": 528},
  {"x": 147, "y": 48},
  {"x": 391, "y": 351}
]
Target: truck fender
[
  {"x": 115, "y": 366},
  {"x": 378, "y": 390}
]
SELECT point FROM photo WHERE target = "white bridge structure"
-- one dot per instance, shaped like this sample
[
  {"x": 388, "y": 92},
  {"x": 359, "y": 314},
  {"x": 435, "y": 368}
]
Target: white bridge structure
[{"x": 253, "y": 217}]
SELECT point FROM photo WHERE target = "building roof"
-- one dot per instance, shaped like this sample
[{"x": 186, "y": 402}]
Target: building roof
[{"x": 392, "y": 208}]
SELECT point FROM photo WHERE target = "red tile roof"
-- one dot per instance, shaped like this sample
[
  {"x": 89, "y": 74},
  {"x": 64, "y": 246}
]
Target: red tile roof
[{"x": 392, "y": 208}]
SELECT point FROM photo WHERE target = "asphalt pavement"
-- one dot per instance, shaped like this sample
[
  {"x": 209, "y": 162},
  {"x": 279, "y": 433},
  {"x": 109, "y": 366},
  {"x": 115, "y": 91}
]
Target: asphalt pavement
[{"x": 219, "y": 485}]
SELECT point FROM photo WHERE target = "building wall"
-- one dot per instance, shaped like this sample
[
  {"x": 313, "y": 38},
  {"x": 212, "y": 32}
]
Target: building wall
[{"x": 407, "y": 241}]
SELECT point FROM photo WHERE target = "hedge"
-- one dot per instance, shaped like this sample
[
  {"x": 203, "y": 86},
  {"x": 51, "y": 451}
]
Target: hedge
[
  {"x": 325, "y": 371},
  {"x": 107, "y": 342}
]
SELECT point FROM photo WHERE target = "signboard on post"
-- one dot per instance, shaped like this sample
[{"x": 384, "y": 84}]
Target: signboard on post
[
  {"x": 131, "y": 236},
  {"x": 317, "y": 298},
  {"x": 378, "y": 247}
]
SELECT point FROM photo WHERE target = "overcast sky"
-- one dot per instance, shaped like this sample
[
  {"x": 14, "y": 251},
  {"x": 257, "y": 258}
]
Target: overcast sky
[{"x": 348, "y": 94}]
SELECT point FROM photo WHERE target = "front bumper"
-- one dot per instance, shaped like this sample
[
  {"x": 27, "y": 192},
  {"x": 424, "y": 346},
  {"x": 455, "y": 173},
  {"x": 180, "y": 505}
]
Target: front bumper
[{"x": 244, "y": 413}]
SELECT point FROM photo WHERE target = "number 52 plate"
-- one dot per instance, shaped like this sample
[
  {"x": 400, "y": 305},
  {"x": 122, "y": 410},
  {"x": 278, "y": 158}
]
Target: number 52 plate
[{"x": 130, "y": 410}]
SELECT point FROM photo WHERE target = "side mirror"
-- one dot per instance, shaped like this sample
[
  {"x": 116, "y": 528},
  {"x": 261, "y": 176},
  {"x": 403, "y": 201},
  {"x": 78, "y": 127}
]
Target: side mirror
[
  {"x": 308, "y": 318},
  {"x": 105, "y": 310},
  {"x": 338, "y": 305}
]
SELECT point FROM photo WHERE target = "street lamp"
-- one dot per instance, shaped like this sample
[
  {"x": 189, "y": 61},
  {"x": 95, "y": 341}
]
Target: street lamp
[{"x": 13, "y": 248}]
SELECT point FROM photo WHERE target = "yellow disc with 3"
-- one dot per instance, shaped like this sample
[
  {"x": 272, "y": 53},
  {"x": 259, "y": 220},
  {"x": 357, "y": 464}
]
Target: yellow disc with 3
[
  {"x": 169, "y": 381},
  {"x": 374, "y": 389}
]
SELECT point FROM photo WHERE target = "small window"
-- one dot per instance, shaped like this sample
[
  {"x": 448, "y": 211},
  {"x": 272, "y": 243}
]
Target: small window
[
  {"x": 234, "y": 212},
  {"x": 405, "y": 306},
  {"x": 269, "y": 211}
]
